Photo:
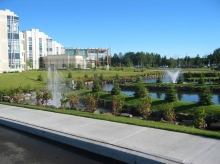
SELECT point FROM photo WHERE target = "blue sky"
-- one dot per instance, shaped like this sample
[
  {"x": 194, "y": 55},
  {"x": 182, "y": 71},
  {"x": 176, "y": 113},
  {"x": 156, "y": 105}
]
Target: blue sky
[{"x": 169, "y": 27}]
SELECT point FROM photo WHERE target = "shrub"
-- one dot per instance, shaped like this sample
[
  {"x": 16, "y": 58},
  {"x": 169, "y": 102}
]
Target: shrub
[
  {"x": 101, "y": 77},
  {"x": 205, "y": 97},
  {"x": 79, "y": 85},
  {"x": 70, "y": 75},
  {"x": 91, "y": 102},
  {"x": 86, "y": 76},
  {"x": 199, "y": 118},
  {"x": 27, "y": 88},
  {"x": 40, "y": 78},
  {"x": 169, "y": 113},
  {"x": 73, "y": 100},
  {"x": 39, "y": 97},
  {"x": 144, "y": 107},
  {"x": 96, "y": 86},
  {"x": 170, "y": 95},
  {"x": 116, "y": 90},
  {"x": 46, "y": 96},
  {"x": 117, "y": 104},
  {"x": 140, "y": 91}
]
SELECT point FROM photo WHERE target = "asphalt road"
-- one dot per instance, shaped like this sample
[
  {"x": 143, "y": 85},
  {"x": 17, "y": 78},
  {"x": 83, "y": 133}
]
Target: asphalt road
[{"x": 18, "y": 147}]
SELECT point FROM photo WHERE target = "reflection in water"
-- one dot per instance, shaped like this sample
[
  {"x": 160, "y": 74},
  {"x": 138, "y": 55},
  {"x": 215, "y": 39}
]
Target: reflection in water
[
  {"x": 158, "y": 94},
  {"x": 179, "y": 96},
  {"x": 219, "y": 98}
]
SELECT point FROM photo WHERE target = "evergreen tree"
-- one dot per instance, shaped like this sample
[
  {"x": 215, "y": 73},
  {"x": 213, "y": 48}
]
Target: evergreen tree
[
  {"x": 69, "y": 75},
  {"x": 40, "y": 78},
  {"x": 140, "y": 91},
  {"x": 201, "y": 79},
  {"x": 180, "y": 80},
  {"x": 96, "y": 86},
  {"x": 205, "y": 97},
  {"x": 116, "y": 90},
  {"x": 159, "y": 80},
  {"x": 170, "y": 95},
  {"x": 79, "y": 85},
  {"x": 144, "y": 107},
  {"x": 199, "y": 118},
  {"x": 138, "y": 79}
]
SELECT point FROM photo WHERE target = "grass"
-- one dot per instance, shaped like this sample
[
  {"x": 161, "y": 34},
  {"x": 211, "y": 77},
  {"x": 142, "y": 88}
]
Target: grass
[{"x": 131, "y": 121}]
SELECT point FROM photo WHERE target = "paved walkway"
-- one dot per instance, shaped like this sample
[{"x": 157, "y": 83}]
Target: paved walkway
[{"x": 128, "y": 143}]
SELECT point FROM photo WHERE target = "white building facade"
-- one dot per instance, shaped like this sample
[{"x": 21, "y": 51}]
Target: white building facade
[
  {"x": 11, "y": 58},
  {"x": 38, "y": 45}
]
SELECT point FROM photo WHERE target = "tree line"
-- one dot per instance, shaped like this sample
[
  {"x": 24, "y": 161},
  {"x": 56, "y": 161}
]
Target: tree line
[{"x": 156, "y": 60}]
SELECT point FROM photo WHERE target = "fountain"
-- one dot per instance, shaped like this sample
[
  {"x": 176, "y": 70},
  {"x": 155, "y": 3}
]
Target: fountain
[
  {"x": 107, "y": 67},
  {"x": 54, "y": 84},
  {"x": 173, "y": 75}
]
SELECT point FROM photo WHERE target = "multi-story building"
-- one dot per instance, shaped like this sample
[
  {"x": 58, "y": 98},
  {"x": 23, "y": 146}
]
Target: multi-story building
[
  {"x": 37, "y": 45},
  {"x": 17, "y": 48},
  {"x": 11, "y": 58}
]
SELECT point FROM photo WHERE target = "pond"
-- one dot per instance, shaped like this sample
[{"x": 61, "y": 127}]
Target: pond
[{"x": 182, "y": 96}]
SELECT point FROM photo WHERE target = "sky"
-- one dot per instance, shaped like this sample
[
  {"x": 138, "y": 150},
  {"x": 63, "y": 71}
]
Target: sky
[{"x": 174, "y": 28}]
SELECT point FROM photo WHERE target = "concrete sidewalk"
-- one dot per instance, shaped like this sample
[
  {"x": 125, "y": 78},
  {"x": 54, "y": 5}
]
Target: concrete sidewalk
[{"x": 128, "y": 143}]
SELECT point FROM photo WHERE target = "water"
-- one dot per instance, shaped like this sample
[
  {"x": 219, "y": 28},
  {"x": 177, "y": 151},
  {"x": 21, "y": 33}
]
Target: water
[
  {"x": 20, "y": 147},
  {"x": 181, "y": 96},
  {"x": 187, "y": 97}
]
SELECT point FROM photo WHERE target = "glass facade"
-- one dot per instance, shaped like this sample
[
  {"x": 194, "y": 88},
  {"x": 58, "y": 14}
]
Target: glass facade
[
  {"x": 74, "y": 52},
  {"x": 49, "y": 46},
  {"x": 40, "y": 47},
  {"x": 13, "y": 41}
]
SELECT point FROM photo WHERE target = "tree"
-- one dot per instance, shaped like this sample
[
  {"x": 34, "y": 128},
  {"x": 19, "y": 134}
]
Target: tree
[
  {"x": 73, "y": 99},
  {"x": 199, "y": 118},
  {"x": 117, "y": 104},
  {"x": 96, "y": 86},
  {"x": 116, "y": 90},
  {"x": 69, "y": 75},
  {"x": 29, "y": 62},
  {"x": 159, "y": 80},
  {"x": 144, "y": 107},
  {"x": 169, "y": 113},
  {"x": 140, "y": 91},
  {"x": 89, "y": 65},
  {"x": 180, "y": 80},
  {"x": 39, "y": 97},
  {"x": 201, "y": 79},
  {"x": 79, "y": 85},
  {"x": 117, "y": 77},
  {"x": 63, "y": 100},
  {"x": 170, "y": 95},
  {"x": 40, "y": 77},
  {"x": 205, "y": 97},
  {"x": 46, "y": 97},
  {"x": 138, "y": 79},
  {"x": 91, "y": 102}
]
